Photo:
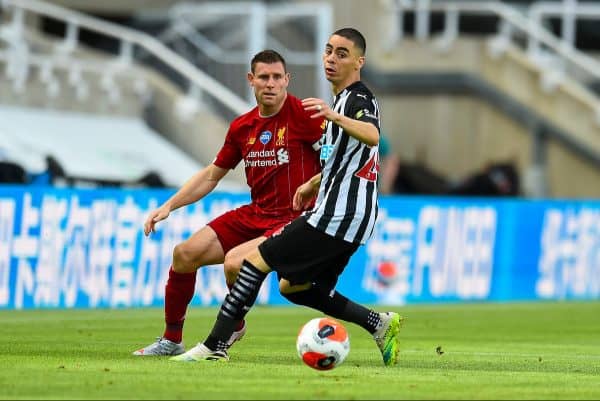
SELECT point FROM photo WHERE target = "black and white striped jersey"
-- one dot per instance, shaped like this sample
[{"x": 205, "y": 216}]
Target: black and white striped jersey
[{"x": 346, "y": 205}]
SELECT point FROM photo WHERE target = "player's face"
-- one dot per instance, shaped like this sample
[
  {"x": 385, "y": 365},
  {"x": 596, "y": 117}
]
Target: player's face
[
  {"x": 342, "y": 61},
  {"x": 270, "y": 82}
]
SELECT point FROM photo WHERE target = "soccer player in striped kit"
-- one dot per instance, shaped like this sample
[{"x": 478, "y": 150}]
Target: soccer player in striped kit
[{"x": 313, "y": 250}]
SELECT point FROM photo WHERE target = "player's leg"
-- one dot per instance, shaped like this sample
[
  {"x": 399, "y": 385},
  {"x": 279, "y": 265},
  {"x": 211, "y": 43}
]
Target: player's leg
[
  {"x": 234, "y": 258},
  {"x": 237, "y": 303},
  {"x": 231, "y": 267},
  {"x": 322, "y": 269},
  {"x": 243, "y": 294},
  {"x": 202, "y": 248},
  {"x": 383, "y": 326},
  {"x": 206, "y": 247},
  {"x": 308, "y": 278},
  {"x": 244, "y": 290},
  {"x": 322, "y": 296}
]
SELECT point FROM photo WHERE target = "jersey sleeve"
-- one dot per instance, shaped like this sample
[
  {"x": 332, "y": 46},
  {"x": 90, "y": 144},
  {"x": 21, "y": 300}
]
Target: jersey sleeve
[
  {"x": 230, "y": 155},
  {"x": 363, "y": 108}
]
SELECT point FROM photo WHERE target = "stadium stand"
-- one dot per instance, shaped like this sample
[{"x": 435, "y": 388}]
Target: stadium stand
[
  {"x": 124, "y": 104},
  {"x": 220, "y": 38},
  {"x": 92, "y": 149},
  {"x": 465, "y": 99},
  {"x": 462, "y": 84}
]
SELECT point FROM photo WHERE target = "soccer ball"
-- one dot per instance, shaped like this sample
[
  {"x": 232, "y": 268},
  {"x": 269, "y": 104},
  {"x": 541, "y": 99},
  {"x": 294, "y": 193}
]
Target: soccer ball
[{"x": 323, "y": 343}]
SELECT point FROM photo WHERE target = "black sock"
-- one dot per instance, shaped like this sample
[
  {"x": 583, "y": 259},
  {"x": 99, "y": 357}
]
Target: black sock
[
  {"x": 337, "y": 306},
  {"x": 235, "y": 306}
]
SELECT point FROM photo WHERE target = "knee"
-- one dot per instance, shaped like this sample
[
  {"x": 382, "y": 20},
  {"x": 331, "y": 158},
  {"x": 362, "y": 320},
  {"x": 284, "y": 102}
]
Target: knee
[
  {"x": 292, "y": 294},
  {"x": 284, "y": 288},
  {"x": 231, "y": 267},
  {"x": 183, "y": 259}
]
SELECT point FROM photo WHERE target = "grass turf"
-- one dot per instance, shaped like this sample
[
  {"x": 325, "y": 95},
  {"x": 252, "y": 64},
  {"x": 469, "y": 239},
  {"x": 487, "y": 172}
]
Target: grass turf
[{"x": 472, "y": 351}]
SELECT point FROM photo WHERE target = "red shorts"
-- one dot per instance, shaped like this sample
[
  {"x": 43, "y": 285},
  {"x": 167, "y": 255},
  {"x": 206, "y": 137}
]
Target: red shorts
[{"x": 244, "y": 224}]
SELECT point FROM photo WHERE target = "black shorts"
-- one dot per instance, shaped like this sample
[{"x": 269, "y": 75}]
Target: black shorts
[{"x": 301, "y": 254}]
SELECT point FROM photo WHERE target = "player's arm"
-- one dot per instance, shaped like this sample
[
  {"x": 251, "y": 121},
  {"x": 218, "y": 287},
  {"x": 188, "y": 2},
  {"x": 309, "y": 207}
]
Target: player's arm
[
  {"x": 194, "y": 189},
  {"x": 306, "y": 193},
  {"x": 364, "y": 131},
  {"x": 197, "y": 187}
]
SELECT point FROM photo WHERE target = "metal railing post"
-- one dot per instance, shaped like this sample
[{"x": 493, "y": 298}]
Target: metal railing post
[{"x": 422, "y": 20}]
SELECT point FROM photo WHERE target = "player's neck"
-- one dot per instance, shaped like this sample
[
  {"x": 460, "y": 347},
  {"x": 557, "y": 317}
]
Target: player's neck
[
  {"x": 337, "y": 88},
  {"x": 266, "y": 111}
]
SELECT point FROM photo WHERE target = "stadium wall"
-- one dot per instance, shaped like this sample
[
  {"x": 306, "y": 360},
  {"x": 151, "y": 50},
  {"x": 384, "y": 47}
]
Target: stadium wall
[{"x": 64, "y": 248}]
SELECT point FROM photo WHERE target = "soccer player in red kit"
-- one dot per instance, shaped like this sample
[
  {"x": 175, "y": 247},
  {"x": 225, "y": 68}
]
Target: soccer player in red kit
[{"x": 278, "y": 143}]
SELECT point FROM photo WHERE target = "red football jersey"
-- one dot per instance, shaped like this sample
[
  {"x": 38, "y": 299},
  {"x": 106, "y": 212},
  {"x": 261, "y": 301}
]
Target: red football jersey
[{"x": 280, "y": 153}]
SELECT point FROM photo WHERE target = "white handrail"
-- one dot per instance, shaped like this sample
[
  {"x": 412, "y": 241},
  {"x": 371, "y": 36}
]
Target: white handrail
[
  {"x": 188, "y": 17},
  {"x": 129, "y": 37},
  {"x": 508, "y": 15},
  {"x": 568, "y": 12},
  {"x": 84, "y": 65}
]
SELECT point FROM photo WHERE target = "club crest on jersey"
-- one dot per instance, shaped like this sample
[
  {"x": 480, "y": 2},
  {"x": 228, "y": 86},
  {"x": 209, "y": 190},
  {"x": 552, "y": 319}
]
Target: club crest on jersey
[
  {"x": 280, "y": 137},
  {"x": 265, "y": 137}
]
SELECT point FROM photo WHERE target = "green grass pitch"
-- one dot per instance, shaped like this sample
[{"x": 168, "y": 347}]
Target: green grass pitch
[{"x": 543, "y": 350}]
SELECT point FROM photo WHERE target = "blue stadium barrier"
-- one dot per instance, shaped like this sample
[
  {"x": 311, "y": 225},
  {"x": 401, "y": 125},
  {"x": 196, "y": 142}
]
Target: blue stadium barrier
[{"x": 65, "y": 248}]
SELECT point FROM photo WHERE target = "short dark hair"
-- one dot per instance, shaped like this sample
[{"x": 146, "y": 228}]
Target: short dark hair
[
  {"x": 355, "y": 37},
  {"x": 268, "y": 57}
]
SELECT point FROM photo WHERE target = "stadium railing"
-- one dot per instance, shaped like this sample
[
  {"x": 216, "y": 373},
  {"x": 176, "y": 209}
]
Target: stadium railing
[
  {"x": 192, "y": 30},
  {"x": 70, "y": 71},
  {"x": 568, "y": 12},
  {"x": 512, "y": 23},
  {"x": 561, "y": 77},
  {"x": 198, "y": 83}
]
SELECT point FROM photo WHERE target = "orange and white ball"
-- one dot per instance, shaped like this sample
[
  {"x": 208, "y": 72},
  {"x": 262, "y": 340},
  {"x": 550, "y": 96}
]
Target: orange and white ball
[{"x": 323, "y": 343}]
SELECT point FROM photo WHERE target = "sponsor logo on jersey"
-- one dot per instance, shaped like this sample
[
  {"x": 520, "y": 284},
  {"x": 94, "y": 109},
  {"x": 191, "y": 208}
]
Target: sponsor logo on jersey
[
  {"x": 326, "y": 151},
  {"x": 364, "y": 113},
  {"x": 261, "y": 154},
  {"x": 251, "y": 140},
  {"x": 283, "y": 157},
  {"x": 265, "y": 137},
  {"x": 267, "y": 158},
  {"x": 280, "y": 137}
]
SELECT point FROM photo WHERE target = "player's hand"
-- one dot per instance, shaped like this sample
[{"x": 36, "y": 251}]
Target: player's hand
[
  {"x": 320, "y": 107},
  {"x": 154, "y": 217},
  {"x": 304, "y": 196}
]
